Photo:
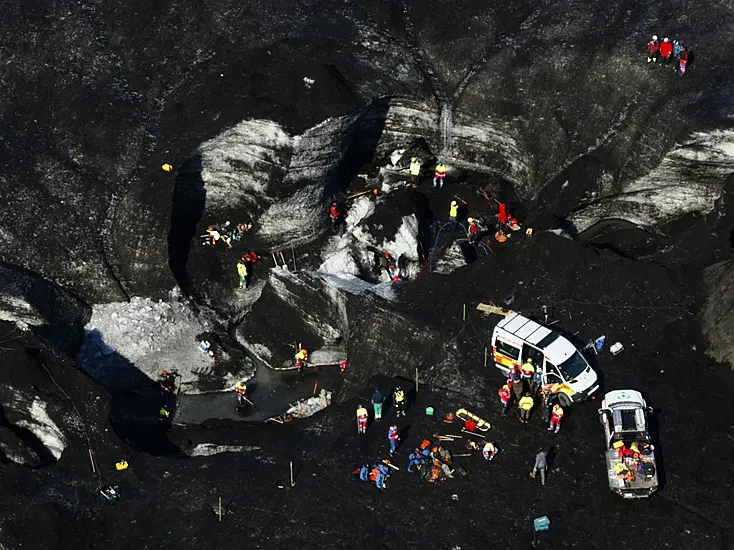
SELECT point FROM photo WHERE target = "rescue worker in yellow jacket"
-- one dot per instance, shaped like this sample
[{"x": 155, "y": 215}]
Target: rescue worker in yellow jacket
[
  {"x": 242, "y": 272},
  {"x": 415, "y": 170},
  {"x": 301, "y": 359},
  {"x": 525, "y": 405},
  {"x": 454, "y": 212}
]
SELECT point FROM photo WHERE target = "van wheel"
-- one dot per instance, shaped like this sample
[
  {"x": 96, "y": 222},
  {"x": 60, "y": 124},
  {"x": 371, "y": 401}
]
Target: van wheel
[{"x": 564, "y": 400}]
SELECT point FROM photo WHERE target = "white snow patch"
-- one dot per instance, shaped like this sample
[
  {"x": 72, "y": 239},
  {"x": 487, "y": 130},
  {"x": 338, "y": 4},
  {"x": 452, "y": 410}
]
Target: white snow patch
[
  {"x": 560, "y": 233},
  {"x": 209, "y": 449},
  {"x": 127, "y": 341},
  {"x": 16, "y": 310},
  {"x": 238, "y": 164},
  {"x": 310, "y": 406},
  {"x": 449, "y": 260},
  {"x": 355, "y": 285},
  {"x": 44, "y": 428},
  {"x": 689, "y": 179}
]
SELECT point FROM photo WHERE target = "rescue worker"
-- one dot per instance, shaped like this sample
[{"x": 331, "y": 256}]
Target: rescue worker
[
  {"x": 241, "y": 389},
  {"x": 168, "y": 380},
  {"x": 415, "y": 461},
  {"x": 301, "y": 359},
  {"x": 364, "y": 473},
  {"x": 440, "y": 174},
  {"x": 473, "y": 232},
  {"x": 540, "y": 465},
  {"x": 164, "y": 412},
  {"x": 383, "y": 472},
  {"x": 387, "y": 264},
  {"x": 502, "y": 215},
  {"x": 235, "y": 234},
  {"x": 399, "y": 400},
  {"x": 653, "y": 48},
  {"x": 666, "y": 50},
  {"x": 335, "y": 216},
  {"x": 505, "y": 395},
  {"x": 555, "y": 421},
  {"x": 548, "y": 398},
  {"x": 500, "y": 236},
  {"x": 415, "y": 170},
  {"x": 489, "y": 451},
  {"x": 377, "y": 400},
  {"x": 516, "y": 382},
  {"x": 402, "y": 267},
  {"x": 536, "y": 383},
  {"x": 361, "y": 420},
  {"x": 242, "y": 272},
  {"x": 454, "y": 212},
  {"x": 527, "y": 370},
  {"x": 393, "y": 436},
  {"x": 525, "y": 405}
]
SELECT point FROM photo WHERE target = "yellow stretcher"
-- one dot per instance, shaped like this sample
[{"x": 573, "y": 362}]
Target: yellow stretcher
[{"x": 465, "y": 415}]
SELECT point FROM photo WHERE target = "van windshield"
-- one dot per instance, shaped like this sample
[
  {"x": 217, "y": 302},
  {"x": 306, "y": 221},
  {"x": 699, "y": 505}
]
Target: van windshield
[{"x": 573, "y": 366}]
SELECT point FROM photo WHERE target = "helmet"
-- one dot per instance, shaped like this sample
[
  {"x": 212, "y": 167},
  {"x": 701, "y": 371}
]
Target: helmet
[
  {"x": 413, "y": 159},
  {"x": 505, "y": 387},
  {"x": 665, "y": 40},
  {"x": 528, "y": 360},
  {"x": 654, "y": 36},
  {"x": 164, "y": 373},
  {"x": 453, "y": 203},
  {"x": 387, "y": 254},
  {"x": 675, "y": 41},
  {"x": 470, "y": 220}
]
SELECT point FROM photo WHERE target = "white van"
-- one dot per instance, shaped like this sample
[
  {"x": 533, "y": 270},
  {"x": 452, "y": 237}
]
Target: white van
[{"x": 565, "y": 370}]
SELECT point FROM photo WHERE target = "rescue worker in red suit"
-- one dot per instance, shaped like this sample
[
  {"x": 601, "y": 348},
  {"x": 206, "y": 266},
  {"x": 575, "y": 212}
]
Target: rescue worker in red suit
[
  {"x": 505, "y": 395},
  {"x": 473, "y": 233},
  {"x": 335, "y": 216},
  {"x": 502, "y": 216},
  {"x": 555, "y": 421},
  {"x": 653, "y": 49},
  {"x": 682, "y": 62},
  {"x": 666, "y": 50}
]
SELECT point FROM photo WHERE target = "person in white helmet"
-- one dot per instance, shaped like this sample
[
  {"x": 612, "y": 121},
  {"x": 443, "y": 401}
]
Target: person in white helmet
[
  {"x": 653, "y": 49},
  {"x": 666, "y": 50},
  {"x": 453, "y": 211}
]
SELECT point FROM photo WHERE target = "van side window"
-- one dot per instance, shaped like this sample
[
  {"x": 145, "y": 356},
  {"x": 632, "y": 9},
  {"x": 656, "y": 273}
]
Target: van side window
[{"x": 508, "y": 350}]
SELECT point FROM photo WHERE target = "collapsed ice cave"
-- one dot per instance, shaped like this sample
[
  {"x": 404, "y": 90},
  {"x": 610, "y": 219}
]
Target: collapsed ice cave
[{"x": 624, "y": 170}]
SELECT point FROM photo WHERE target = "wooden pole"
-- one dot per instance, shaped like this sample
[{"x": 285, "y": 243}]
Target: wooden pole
[
  {"x": 485, "y": 357},
  {"x": 293, "y": 251},
  {"x": 315, "y": 386},
  {"x": 220, "y": 509},
  {"x": 91, "y": 459},
  {"x": 292, "y": 480},
  {"x": 416, "y": 380},
  {"x": 464, "y": 316}
]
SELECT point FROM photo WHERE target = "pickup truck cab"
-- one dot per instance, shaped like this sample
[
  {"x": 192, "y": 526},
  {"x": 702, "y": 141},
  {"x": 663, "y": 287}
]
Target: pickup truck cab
[
  {"x": 631, "y": 467},
  {"x": 565, "y": 371}
]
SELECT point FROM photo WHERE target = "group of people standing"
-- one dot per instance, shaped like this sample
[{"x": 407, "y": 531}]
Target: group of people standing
[
  {"x": 667, "y": 51},
  {"x": 526, "y": 385}
]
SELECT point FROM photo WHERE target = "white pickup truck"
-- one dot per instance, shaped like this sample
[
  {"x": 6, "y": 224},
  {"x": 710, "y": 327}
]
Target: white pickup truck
[{"x": 631, "y": 467}]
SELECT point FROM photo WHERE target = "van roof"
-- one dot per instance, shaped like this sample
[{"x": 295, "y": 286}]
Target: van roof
[{"x": 527, "y": 329}]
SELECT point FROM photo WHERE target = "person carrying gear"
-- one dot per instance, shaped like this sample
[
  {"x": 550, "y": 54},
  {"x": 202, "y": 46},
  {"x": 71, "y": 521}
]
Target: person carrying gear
[
  {"x": 335, "y": 216},
  {"x": 653, "y": 48},
  {"x": 666, "y": 50},
  {"x": 242, "y": 273},
  {"x": 473, "y": 232},
  {"x": 489, "y": 451},
  {"x": 301, "y": 359},
  {"x": 362, "y": 420},
  {"x": 241, "y": 389},
  {"x": 500, "y": 236},
  {"x": 454, "y": 212},
  {"x": 393, "y": 436},
  {"x": 415, "y": 461},
  {"x": 235, "y": 234},
  {"x": 540, "y": 466},
  {"x": 415, "y": 170},
  {"x": 516, "y": 383},
  {"x": 383, "y": 472},
  {"x": 440, "y": 175},
  {"x": 527, "y": 370},
  {"x": 555, "y": 421},
  {"x": 399, "y": 400},
  {"x": 364, "y": 473},
  {"x": 377, "y": 400},
  {"x": 505, "y": 395},
  {"x": 525, "y": 405},
  {"x": 548, "y": 398}
]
